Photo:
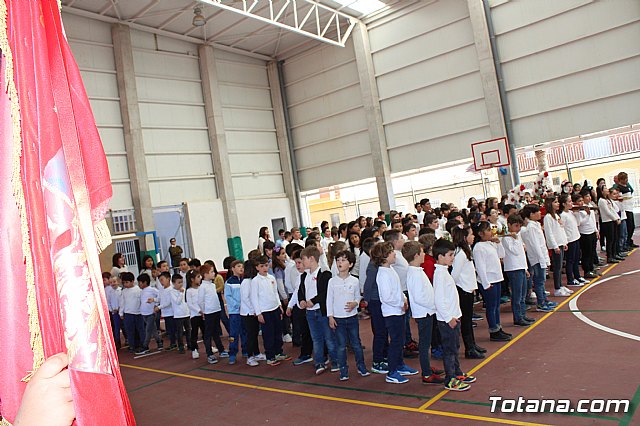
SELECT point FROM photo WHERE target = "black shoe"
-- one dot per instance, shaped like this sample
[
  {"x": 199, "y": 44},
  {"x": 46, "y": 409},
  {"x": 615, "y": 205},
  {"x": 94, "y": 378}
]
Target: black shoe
[
  {"x": 474, "y": 325},
  {"x": 473, "y": 354},
  {"x": 499, "y": 337},
  {"x": 613, "y": 260},
  {"x": 521, "y": 323},
  {"x": 529, "y": 319},
  {"x": 619, "y": 258},
  {"x": 504, "y": 332},
  {"x": 479, "y": 349},
  {"x": 591, "y": 275},
  {"x": 633, "y": 245}
]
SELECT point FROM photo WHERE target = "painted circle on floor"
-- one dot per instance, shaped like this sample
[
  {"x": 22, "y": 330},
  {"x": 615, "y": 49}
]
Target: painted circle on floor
[{"x": 573, "y": 305}]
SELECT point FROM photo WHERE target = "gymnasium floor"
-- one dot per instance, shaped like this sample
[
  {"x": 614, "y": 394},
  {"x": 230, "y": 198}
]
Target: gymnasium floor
[{"x": 586, "y": 349}]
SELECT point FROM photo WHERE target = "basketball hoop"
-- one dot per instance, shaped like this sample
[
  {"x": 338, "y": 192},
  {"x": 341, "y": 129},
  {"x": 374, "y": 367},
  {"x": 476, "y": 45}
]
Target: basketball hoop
[{"x": 491, "y": 153}]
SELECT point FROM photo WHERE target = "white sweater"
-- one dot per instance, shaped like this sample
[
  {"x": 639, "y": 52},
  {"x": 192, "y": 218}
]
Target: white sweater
[
  {"x": 537, "y": 251},
  {"x": 339, "y": 292},
  {"x": 607, "y": 210},
  {"x": 514, "y": 256},
  {"x": 587, "y": 223},
  {"x": 554, "y": 232},
  {"x": 401, "y": 267},
  {"x": 130, "y": 301},
  {"x": 420, "y": 293},
  {"x": 192, "y": 301},
  {"x": 391, "y": 297},
  {"x": 208, "y": 298},
  {"x": 264, "y": 294},
  {"x": 446, "y": 296},
  {"x": 178, "y": 304},
  {"x": 486, "y": 255},
  {"x": 464, "y": 272},
  {"x": 570, "y": 226},
  {"x": 246, "y": 308}
]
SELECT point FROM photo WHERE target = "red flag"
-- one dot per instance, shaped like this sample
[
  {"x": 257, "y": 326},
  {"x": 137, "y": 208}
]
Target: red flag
[{"x": 52, "y": 219}]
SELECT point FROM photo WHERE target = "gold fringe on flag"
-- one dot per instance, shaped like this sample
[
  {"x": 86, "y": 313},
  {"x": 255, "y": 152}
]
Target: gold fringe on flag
[{"x": 18, "y": 192}]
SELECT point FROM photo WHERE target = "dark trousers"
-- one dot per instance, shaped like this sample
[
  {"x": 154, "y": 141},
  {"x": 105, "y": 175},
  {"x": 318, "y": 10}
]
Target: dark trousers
[
  {"x": 223, "y": 315},
  {"x": 491, "y": 298},
  {"x": 587, "y": 250},
  {"x": 301, "y": 327},
  {"x": 134, "y": 325},
  {"x": 407, "y": 321},
  {"x": 425, "y": 330},
  {"x": 170, "y": 326},
  {"x": 183, "y": 327},
  {"x": 116, "y": 323},
  {"x": 252, "y": 326},
  {"x": 466, "y": 323},
  {"x": 212, "y": 330},
  {"x": 196, "y": 323},
  {"x": 631, "y": 226},
  {"x": 272, "y": 333},
  {"x": 608, "y": 231},
  {"x": 379, "y": 329},
  {"x": 395, "y": 328},
  {"x": 286, "y": 321},
  {"x": 450, "y": 348},
  {"x": 556, "y": 259},
  {"x": 150, "y": 331},
  {"x": 573, "y": 261}
]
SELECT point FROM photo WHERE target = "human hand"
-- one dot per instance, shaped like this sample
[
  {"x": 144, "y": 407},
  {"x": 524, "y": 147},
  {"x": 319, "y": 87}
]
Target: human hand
[
  {"x": 332, "y": 323},
  {"x": 47, "y": 398},
  {"x": 557, "y": 250},
  {"x": 453, "y": 322},
  {"x": 303, "y": 304},
  {"x": 151, "y": 300},
  {"x": 528, "y": 274},
  {"x": 288, "y": 312},
  {"x": 495, "y": 240},
  {"x": 350, "y": 306},
  {"x": 260, "y": 319}
]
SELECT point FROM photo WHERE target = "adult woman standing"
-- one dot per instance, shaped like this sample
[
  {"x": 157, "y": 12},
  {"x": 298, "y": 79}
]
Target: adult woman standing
[
  {"x": 118, "y": 265},
  {"x": 263, "y": 235},
  {"x": 610, "y": 221}
]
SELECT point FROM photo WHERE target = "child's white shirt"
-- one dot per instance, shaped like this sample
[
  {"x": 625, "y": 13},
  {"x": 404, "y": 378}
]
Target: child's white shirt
[
  {"x": 130, "y": 301},
  {"x": 421, "y": 294},
  {"x": 178, "y": 304},
  {"x": 486, "y": 255},
  {"x": 391, "y": 297},
  {"x": 340, "y": 291},
  {"x": 515, "y": 258},
  {"x": 192, "y": 302},
  {"x": 446, "y": 296},
  {"x": 464, "y": 272}
]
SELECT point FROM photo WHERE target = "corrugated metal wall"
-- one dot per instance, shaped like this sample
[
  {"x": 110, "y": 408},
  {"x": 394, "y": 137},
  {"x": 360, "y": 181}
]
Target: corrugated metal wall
[{"x": 93, "y": 50}]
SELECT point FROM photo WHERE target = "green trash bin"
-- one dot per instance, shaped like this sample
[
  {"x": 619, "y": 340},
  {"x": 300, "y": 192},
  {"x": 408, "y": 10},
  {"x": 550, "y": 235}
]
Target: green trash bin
[
  {"x": 303, "y": 231},
  {"x": 235, "y": 247}
]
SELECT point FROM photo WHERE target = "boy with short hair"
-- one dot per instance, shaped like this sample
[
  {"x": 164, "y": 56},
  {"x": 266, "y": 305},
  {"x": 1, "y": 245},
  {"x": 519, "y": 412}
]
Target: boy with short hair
[
  {"x": 112, "y": 293},
  {"x": 232, "y": 295},
  {"x": 448, "y": 315},
  {"x": 343, "y": 298},
  {"x": 210, "y": 306},
  {"x": 148, "y": 304},
  {"x": 312, "y": 296},
  {"x": 394, "y": 305},
  {"x": 266, "y": 303},
  {"x": 301, "y": 333},
  {"x": 165, "y": 307},
  {"x": 515, "y": 266},
  {"x": 423, "y": 307},
  {"x": 130, "y": 311},
  {"x": 180, "y": 308}
]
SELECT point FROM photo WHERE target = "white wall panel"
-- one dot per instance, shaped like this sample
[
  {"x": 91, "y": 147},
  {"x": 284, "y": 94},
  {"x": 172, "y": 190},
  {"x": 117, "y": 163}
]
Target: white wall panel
[
  {"x": 172, "y": 114},
  {"x": 570, "y": 67},
  {"x": 254, "y": 214},
  {"x": 92, "y": 48},
  {"x": 329, "y": 127},
  {"x": 208, "y": 233},
  {"x": 250, "y": 128},
  {"x": 430, "y": 89}
]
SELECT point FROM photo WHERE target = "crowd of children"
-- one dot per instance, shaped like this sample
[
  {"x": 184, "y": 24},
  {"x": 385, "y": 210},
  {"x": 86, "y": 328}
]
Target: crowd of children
[{"x": 432, "y": 266}]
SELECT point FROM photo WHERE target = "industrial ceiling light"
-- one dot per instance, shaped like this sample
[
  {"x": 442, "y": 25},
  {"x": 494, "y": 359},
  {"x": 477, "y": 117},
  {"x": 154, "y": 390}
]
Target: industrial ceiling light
[{"x": 198, "y": 18}]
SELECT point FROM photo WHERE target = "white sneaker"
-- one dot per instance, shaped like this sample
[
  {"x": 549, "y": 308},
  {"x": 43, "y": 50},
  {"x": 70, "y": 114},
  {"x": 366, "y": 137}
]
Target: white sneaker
[
  {"x": 195, "y": 354},
  {"x": 251, "y": 362},
  {"x": 287, "y": 338},
  {"x": 215, "y": 350},
  {"x": 560, "y": 293},
  {"x": 583, "y": 280},
  {"x": 576, "y": 283},
  {"x": 548, "y": 293},
  {"x": 261, "y": 357},
  {"x": 567, "y": 290}
]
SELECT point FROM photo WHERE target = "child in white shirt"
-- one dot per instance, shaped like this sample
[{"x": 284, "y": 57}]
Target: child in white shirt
[
  {"x": 556, "y": 241},
  {"x": 196, "y": 321},
  {"x": 573, "y": 242},
  {"x": 181, "y": 312},
  {"x": 343, "y": 298},
  {"x": 112, "y": 292},
  {"x": 422, "y": 300},
  {"x": 210, "y": 307},
  {"x": 487, "y": 254},
  {"x": 394, "y": 305},
  {"x": 515, "y": 266},
  {"x": 448, "y": 314},
  {"x": 130, "y": 311}
]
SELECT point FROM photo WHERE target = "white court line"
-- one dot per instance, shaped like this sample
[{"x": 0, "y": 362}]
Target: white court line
[
  {"x": 153, "y": 353},
  {"x": 573, "y": 306}
]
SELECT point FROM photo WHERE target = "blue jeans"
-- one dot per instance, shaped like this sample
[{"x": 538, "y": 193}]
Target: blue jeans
[
  {"x": 379, "y": 329},
  {"x": 425, "y": 329},
  {"x": 492, "y": 302},
  {"x": 116, "y": 323},
  {"x": 451, "y": 344},
  {"x": 236, "y": 332},
  {"x": 622, "y": 243},
  {"x": 395, "y": 327},
  {"x": 539, "y": 275},
  {"x": 573, "y": 261},
  {"x": 518, "y": 283},
  {"x": 348, "y": 331},
  {"x": 321, "y": 334},
  {"x": 135, "y": 330}
]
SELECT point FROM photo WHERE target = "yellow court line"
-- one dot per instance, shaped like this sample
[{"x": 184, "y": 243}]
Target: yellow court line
[
  {"x": 515, "y": 339},
  {"x": 336, "y": 399}
]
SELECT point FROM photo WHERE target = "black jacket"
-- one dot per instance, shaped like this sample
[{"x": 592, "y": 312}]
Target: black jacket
[{"x": 322, "y": 284}]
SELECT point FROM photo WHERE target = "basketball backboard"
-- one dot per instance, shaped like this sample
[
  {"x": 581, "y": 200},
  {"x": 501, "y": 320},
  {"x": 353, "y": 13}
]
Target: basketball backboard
[{"x": 491, "y": 153}]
